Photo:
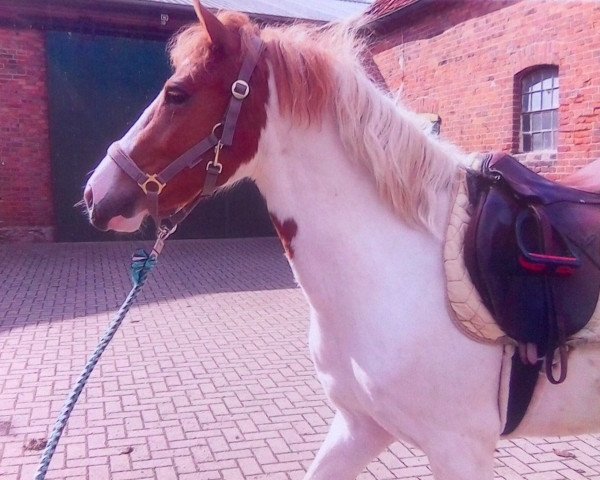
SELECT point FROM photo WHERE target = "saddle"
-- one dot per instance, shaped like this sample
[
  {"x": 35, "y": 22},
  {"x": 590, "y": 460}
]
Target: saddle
[{"x": 532, "y": 249}]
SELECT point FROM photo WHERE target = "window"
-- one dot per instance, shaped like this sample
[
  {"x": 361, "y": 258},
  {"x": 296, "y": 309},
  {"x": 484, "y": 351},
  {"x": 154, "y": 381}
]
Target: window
[{"x": 539, "y": 109}]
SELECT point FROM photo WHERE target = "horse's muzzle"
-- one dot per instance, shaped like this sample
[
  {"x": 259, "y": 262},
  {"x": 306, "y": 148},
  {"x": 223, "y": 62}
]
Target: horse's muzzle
[{"x": 113, "y": 212}]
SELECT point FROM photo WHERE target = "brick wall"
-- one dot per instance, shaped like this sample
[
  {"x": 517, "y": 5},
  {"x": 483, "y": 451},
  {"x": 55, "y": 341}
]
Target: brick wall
[
  {"x": 26, "y": 207},
  {"x": 457, "y": 59},
  {"x": 462, "y": 59}
]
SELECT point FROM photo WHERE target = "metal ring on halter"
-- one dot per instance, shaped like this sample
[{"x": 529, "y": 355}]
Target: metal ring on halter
[
  {"x": 152, "y": 180},
  {"x": 240, "y": 89},
  {"x": 218, "y": 125}
]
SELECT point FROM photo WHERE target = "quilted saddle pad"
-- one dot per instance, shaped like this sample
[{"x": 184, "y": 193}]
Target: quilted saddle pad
[{"x": 468, "y": 311}]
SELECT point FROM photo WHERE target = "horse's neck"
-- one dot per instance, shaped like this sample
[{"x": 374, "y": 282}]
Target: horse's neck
[{"x": 348, "y": 242}]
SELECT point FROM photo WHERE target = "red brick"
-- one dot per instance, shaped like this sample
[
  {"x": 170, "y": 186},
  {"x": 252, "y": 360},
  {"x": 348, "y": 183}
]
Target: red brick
[
  {"x": 461, "y": 60},
  {"x": 26, "y": 209}
]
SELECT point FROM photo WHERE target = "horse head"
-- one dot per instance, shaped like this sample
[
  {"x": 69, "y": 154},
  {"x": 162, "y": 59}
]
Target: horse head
[{"x": 194, "y": 106}]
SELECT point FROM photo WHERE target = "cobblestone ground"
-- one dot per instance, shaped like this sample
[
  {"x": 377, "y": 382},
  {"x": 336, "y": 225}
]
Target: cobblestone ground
[{"x": 208, "y": 378}]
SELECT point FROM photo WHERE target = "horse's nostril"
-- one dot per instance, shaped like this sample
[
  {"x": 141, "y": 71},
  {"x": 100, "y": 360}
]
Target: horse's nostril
[
  {"x": 99, "y": 220},
  {"x": 88, "y": 196}
]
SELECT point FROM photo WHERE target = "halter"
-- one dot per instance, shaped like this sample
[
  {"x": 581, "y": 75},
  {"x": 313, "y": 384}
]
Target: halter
[{"x": 153, "y": 184}]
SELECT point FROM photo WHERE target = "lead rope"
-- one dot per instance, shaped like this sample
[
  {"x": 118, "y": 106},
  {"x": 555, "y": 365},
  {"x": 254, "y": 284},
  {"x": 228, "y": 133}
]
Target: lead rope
[{"x": 142, "y": 264}]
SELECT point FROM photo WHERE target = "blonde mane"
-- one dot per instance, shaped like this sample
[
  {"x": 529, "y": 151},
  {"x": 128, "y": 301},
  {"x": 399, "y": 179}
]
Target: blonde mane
[
  {"x": 192, "y": 44},
  {"x": 318, "y": 71}
]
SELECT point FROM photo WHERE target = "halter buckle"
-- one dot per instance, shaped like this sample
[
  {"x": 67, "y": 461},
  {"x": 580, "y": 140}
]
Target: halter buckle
[
  {"x": 240, "y": 89},
  {"x": 214, "y": 166},
  {"x": 152, "y": 180}
]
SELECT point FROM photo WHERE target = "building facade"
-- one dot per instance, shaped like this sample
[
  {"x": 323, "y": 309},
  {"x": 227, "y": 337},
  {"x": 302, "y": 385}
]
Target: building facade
[
  {"x": 26, "y": 209},
  {"x": 74, "y": 74},
  {"x": 522, "y": 76}
]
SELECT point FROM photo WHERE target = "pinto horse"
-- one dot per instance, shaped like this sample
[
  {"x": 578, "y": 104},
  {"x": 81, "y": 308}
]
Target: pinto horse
[{"x": 360, "y": 197}]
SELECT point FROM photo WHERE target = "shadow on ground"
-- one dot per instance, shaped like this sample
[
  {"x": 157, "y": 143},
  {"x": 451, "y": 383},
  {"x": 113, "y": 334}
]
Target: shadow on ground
[{"x": 51, "y": 282}]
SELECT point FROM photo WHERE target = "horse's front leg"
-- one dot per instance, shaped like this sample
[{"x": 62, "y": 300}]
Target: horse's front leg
[
  {"x": 462, "y": 456},
  {"x": 352, "y": 442}
]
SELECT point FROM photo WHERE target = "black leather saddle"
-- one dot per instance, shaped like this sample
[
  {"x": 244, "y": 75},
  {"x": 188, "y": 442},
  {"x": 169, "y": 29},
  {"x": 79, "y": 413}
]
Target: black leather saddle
[{"x": 532, "y": 249}]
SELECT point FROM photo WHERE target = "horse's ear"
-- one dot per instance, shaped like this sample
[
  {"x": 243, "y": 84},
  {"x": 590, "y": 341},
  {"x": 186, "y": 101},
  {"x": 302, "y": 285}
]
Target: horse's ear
[{"x": 218, "y": 33}]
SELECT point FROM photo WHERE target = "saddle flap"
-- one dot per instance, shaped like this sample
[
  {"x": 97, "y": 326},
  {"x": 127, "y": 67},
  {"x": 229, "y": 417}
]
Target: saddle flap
[{"x": 532, "y": 249}]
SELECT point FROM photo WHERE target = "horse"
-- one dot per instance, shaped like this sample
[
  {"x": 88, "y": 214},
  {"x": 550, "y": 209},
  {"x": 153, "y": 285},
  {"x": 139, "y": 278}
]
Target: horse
[
  {"x": 359, "y": 196},
  {"x": 586, "y": 178}
]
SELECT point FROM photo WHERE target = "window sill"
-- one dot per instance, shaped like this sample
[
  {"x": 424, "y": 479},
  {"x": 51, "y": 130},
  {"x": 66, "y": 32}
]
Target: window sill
[{"x": 541, "y": 161}]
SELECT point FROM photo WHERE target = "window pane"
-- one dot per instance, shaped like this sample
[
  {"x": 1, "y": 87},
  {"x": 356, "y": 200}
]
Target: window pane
[
  {"x": 547, "y": 140},
  {"x": 546, "y": 120},
  {"x": 536, "y": 86},
  {"x": 532, "y": 82},
  {"x": 555, "y": 98},
  {"x": 536, "y": 101},
  {"x": 554, "y": 119},
  {"x": 537, "y": 141},
  {"x": 541, "y": 78},
  {"x": 527, "y": 143},
  {"x": 547, "y": 99},
  {"x": 554, "y": 139},
  {"x": 526, "y": 125},
  {"x": 536, "y": 122},
  {"x": 526, "y": 103}
]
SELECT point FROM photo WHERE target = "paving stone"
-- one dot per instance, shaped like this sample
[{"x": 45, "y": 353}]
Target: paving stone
[{"x": 208, "y": 378}]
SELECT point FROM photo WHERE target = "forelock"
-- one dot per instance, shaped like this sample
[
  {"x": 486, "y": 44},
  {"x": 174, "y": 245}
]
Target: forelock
[{"x": 193, "y": 45}]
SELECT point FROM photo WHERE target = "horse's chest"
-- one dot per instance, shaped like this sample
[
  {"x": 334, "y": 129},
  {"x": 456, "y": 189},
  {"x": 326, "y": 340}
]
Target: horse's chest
[
  {"x": 340, "y": 385},
  {"x": 343, "y": 381}
]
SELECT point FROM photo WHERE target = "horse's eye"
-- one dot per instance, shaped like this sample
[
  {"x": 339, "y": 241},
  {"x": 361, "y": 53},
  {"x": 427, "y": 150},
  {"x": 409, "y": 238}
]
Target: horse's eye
[{"x": 175, "y": 96}]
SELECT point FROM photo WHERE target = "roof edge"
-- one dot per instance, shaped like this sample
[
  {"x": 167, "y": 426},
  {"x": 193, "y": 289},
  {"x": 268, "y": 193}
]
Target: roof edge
[
  {"x": 389, "y": 21},
  {"x": 130, "y": 18}
]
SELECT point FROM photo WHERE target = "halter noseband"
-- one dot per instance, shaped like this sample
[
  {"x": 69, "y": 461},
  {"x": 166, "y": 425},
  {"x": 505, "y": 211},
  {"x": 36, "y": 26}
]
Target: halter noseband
[{"x": 153, "y": 184}]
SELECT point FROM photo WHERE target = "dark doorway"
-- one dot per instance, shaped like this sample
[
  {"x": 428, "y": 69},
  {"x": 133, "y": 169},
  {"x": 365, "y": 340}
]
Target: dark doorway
[{"x": 98, "y": 86}]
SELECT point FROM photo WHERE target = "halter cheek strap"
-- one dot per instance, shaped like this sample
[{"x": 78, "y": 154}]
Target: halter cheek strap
[{"x": 153, "y": 184}]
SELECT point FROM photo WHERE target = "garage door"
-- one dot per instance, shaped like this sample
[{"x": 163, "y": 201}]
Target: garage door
[{"x": 98, "y": 86}]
